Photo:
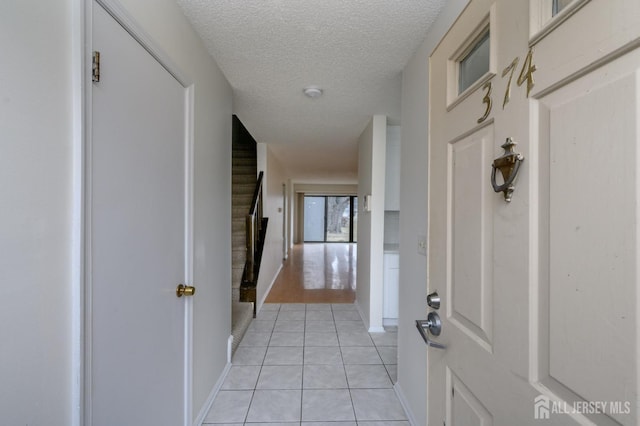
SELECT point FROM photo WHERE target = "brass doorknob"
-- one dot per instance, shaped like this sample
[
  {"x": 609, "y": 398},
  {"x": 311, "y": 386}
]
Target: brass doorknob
[{"x": 185, "y": 290}]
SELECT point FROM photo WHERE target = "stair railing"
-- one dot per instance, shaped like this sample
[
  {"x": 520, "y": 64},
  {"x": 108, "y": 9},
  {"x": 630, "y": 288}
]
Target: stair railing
[{"x": 254, "y": 228}]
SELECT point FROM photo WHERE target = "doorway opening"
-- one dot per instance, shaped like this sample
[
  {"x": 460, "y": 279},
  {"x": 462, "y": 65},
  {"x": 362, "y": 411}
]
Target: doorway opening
[{"x": 330, "y": 219}]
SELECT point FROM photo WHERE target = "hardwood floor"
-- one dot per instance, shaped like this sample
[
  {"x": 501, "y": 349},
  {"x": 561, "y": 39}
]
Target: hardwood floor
[{"x": 317, "y": 273}]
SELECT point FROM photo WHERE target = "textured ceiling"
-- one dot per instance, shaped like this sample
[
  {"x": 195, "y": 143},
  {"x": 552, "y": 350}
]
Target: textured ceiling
[{"x": 355, "y": 50}]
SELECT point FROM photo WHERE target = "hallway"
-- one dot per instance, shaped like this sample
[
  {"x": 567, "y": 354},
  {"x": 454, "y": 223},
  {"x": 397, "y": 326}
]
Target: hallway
[
  {"x": 317, "y": 273},
  {"x": 302, "y": 363},
  {"x": 307, "y": 358}
]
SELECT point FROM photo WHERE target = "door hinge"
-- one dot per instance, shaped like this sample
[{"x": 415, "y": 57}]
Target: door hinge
[{"x": 95, "y": 70}]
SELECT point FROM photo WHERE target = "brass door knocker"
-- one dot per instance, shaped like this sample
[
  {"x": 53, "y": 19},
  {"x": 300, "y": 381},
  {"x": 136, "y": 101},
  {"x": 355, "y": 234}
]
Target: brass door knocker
[{"x": 509, "y": 165}]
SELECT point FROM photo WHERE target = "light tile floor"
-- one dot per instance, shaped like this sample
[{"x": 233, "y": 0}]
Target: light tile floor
[{"x": 310, "y": 364}]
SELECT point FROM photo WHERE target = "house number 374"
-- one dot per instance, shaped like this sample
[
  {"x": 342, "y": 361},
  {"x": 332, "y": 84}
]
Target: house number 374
[{"x": 526, "y": 74}]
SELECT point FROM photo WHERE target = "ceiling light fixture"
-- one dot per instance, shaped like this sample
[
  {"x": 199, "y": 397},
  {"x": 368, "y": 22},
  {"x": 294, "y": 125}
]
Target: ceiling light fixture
[{"x": 312, "y": 92}]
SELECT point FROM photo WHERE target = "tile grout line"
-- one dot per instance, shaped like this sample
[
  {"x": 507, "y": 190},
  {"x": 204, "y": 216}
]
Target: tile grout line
[
  {"x": 344, "y": 368},
  {"x": 255, "y": 388},
  {"x": 304, "y": 360}
]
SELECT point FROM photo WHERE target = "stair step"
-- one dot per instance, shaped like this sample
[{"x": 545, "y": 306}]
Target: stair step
[
  {"x": 243, "y": 189},
  {"x": 244, "y": 183},
  {"x": 238, "y": 239},
  {"x": 236, "y": 276},
  {"x": 242, "y": 199},
  {"x": 249, "y": 179},
  {"x": 243, "y": 161},
  {"x": 238, "y": 257},
  {"x": 244, "y": 179},
  {"x": 245, "y": 170},
  {"x": 239, "y": 146},
  {"x": 238, "y": 225},
  {"x": 243, "y": 167},
  {"x": 242, "y": 150},
  {"x": 239, "y": 253},
  {"x": 243, "y": 155},
  {"x": 240, "y": 210}
]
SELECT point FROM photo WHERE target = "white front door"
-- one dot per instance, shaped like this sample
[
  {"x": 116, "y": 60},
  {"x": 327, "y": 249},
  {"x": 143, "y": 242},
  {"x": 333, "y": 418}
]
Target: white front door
[
  {"x": 136, "y": 236},
  {"x": 540, "y": 296}
]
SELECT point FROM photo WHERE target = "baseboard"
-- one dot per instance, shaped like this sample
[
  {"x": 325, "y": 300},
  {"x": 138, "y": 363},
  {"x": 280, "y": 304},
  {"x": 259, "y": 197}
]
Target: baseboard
[
  {"x": 390, "y": 322},
  {"x": 229, "y": 349},
  {"x": 403, "y": 401},
  {"x": 376, "y": 330},
  {"x": 212, "y": 395},
  {"x": 266, "y": 293}
]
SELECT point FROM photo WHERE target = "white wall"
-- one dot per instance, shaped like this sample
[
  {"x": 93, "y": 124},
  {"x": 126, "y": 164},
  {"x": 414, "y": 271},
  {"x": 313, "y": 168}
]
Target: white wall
[
  {"x": 412, "y": 367},
  {"x": 36, "y": 164},
  {"x": 392, "y": 169},
  {"x": 167, "y": 26},
  {"x": 371, "y": 171},
  {"x": 36, "y": 152},
  {"x": 273, "y": 200}
]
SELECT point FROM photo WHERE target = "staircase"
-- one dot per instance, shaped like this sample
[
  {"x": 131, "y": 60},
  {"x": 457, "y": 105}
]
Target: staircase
[{"x": 244, "y": 175}]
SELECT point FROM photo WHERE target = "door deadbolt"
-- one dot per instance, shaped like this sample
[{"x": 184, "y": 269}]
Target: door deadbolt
[
  {"x": 433, "y": 300},
  {"x": 185, "y": 290}
]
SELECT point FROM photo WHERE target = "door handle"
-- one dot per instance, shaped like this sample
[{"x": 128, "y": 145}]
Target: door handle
[
  {"x": 185, "y": 290},
  {"x": 434, "y": 326}
]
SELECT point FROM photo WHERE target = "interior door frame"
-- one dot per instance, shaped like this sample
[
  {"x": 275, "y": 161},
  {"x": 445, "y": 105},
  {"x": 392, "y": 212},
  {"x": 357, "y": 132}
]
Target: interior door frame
[
  {"x": 285, "y": 218},
  {"x": 82, "y": 31}
]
